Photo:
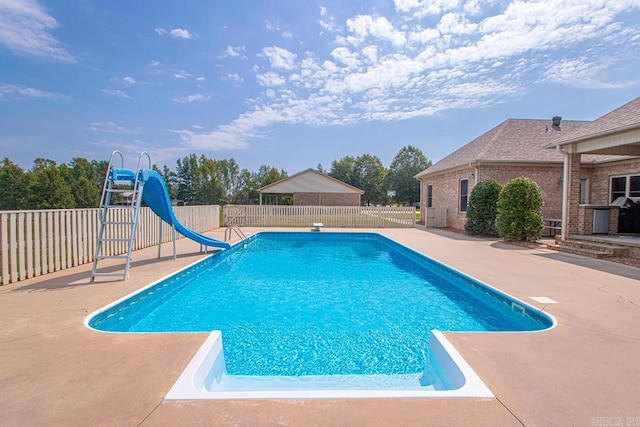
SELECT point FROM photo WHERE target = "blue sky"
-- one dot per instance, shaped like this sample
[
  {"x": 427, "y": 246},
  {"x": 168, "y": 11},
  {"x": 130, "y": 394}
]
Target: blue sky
[{"x": 293, "y": 84}]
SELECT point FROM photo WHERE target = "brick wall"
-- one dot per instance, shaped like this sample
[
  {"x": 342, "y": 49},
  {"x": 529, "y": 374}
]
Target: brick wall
[
  {"x": 585, "y": 220},
  {"x": 548, "y": 178},
  {"x": 326, "y": 199},
  {"x": 600, "y": 178},
  {"x": 446, "y": 188},
  {"x": 446, "y": 193}
]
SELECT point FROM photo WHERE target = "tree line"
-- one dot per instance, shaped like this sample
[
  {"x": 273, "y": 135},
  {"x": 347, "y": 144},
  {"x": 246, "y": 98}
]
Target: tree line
[{"x": 202, "y": 181}]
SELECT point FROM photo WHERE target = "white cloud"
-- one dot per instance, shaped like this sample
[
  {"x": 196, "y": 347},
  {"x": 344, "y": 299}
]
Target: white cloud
[
  {"x": 176, "y": 33},
  {"x": 26, "y": 27},
  {"x": 235, "y": 77},
  {"x": 155, "y": 63},
  {"x": 347, "y": 57},
  {"x": 180, "y": 33},
  {"x": 272, "y": 26},
  {"x": 453, "y": 23},
  {"x": 270, "y": 79},
  {"x": 227, "y": 138},
  {"x": 182, "y": 74},
  {"x": 109, "y": 127},
  {"x": 234, "y": 51},
  {"x": 432, "y": 55},
  {"x": 115, "y": 92},
  {"x": 422, "y": 8},
  {"x": 128, "y": 80},
  {"x": 200, "y": 79},
  {"x": 279, "y": 57},
  {"x": 199, "y": 97},
  {"x": 365, "y": 25},
  {"x": 17, "y": 92},
  {"x": 580, "y": 73}
]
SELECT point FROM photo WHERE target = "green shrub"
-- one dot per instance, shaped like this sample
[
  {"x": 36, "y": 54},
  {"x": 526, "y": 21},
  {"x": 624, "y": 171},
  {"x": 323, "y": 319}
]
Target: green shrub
[
  {"x": 482, "y": 208},
  {"x": 519, "y": 210}
]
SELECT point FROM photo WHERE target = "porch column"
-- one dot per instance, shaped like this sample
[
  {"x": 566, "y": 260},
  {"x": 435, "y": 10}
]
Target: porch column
[{"x": 571, "y": 194}]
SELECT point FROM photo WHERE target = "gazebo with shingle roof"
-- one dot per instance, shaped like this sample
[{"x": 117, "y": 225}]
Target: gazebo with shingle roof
[{"x": 312, "y": 188}]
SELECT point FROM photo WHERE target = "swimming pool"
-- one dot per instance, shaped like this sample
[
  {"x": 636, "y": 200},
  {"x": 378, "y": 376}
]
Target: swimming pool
[{"x": 321, "y": 308}]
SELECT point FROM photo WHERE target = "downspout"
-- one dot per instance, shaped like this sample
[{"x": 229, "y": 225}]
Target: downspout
[{"x": 422, "y": 210}]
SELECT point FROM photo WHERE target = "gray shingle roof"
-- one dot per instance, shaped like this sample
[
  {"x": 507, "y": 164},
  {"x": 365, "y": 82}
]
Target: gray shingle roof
[
  {"x": 627, "y": 116},
  {"x": 309, "y": 181},
  {"x": 514, "y": 140}
]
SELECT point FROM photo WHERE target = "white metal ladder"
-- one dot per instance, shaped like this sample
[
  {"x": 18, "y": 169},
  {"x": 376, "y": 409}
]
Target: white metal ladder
[{"x": 118, "y": 215}]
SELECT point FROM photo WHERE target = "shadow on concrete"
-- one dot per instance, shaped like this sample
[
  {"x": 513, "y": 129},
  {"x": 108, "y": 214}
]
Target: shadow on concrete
[
  {"x": 75, "y": 280},
  {"x": 605, "y": 266},
  {"x": 595, "y": 264},
  {"x": 453, "y": 235}
]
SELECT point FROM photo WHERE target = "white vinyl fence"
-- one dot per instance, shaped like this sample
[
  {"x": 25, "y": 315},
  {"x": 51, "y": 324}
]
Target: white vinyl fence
[
  {"x": 33, "y": 243},
  {"x": 329, "y": 216}
]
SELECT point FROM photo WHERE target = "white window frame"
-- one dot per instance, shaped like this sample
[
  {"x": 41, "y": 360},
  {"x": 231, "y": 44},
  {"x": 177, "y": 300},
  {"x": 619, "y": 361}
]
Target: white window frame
[{"x": 429, "y": 195}]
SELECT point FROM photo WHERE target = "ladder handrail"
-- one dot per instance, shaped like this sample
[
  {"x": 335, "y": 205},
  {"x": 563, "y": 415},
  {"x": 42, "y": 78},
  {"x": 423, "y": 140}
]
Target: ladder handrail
[
  {"x": 135, "y": 201},
  {"x": 230, "y": 228},
  {"x": 110, "y": 167}
]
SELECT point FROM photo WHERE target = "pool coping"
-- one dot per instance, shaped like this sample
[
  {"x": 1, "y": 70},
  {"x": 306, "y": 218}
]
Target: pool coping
[
  {"x": 465, "y": 383},
  {"x": 57, "y": 372}
]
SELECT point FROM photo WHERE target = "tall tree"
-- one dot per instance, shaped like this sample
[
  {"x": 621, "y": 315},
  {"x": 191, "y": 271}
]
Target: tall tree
[
  {"x": 247, "y": 193},
  {"x": 83, "y": 180},
  {"x": 343, "y": 170},
  {"x": 369, "y": 177},
  {"x": 187, "y": 180},
  {"x": 228, "y": 173},
  {"x": 268, "y": 175},
  {"x": 209, "y": 188},
  {"x": 169, "y": 178},
  {"x": 13, "y": 185},
  {"x": 47, "y": 188},
  {"x": 406, "y": 164}
]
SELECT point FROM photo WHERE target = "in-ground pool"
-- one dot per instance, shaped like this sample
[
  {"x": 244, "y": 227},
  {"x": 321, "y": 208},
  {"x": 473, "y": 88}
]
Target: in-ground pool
[{"x": 318, "y": 310}]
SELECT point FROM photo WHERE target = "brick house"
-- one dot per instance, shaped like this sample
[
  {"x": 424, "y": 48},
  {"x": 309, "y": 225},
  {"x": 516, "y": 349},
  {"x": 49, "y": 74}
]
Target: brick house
[
  {"x": 312, "y": 188},
  {"x": 516, "y": 147},
  {"x": 613, "y": 186}
]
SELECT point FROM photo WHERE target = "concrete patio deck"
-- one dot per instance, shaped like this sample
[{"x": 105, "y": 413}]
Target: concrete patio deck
[{"x": 585, "y": 371}]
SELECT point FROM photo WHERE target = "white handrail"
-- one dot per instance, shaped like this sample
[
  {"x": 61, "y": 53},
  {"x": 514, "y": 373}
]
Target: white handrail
[{"x": 241, "y": 235}]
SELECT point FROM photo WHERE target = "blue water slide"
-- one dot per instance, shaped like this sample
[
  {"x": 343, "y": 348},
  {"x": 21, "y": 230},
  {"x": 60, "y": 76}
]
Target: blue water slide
[{"x": 156, "y": 196}]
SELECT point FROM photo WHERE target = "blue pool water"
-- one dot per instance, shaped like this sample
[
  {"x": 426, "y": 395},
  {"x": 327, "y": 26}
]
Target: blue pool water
[{"x": 296, "y": 304}]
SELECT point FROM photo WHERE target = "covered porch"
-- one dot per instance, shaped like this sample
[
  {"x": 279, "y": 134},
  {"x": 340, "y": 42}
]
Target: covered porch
[{"x": 614, "y": 134}]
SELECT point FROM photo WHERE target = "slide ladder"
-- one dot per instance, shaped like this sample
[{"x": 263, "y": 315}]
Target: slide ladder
[{"x": 119, "y": 209}]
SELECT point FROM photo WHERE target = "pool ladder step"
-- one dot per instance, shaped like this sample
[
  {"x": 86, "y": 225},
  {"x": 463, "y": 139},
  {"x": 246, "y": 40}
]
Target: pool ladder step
[{"x": 117, "y": 233}]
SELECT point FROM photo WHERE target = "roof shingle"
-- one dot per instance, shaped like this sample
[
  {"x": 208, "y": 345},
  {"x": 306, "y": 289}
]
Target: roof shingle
[
  {"x": 515, "y": 140},
  {"x": 618, "y": 119}
]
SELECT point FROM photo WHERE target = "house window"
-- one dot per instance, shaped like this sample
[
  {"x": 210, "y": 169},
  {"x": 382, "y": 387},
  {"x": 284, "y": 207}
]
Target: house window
[
  {"x": 430, "y": 196},
  {"x": 625, "y": 186},
  {"x": 464, "y": 198},
  {"x": 584, "y": 191}
]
